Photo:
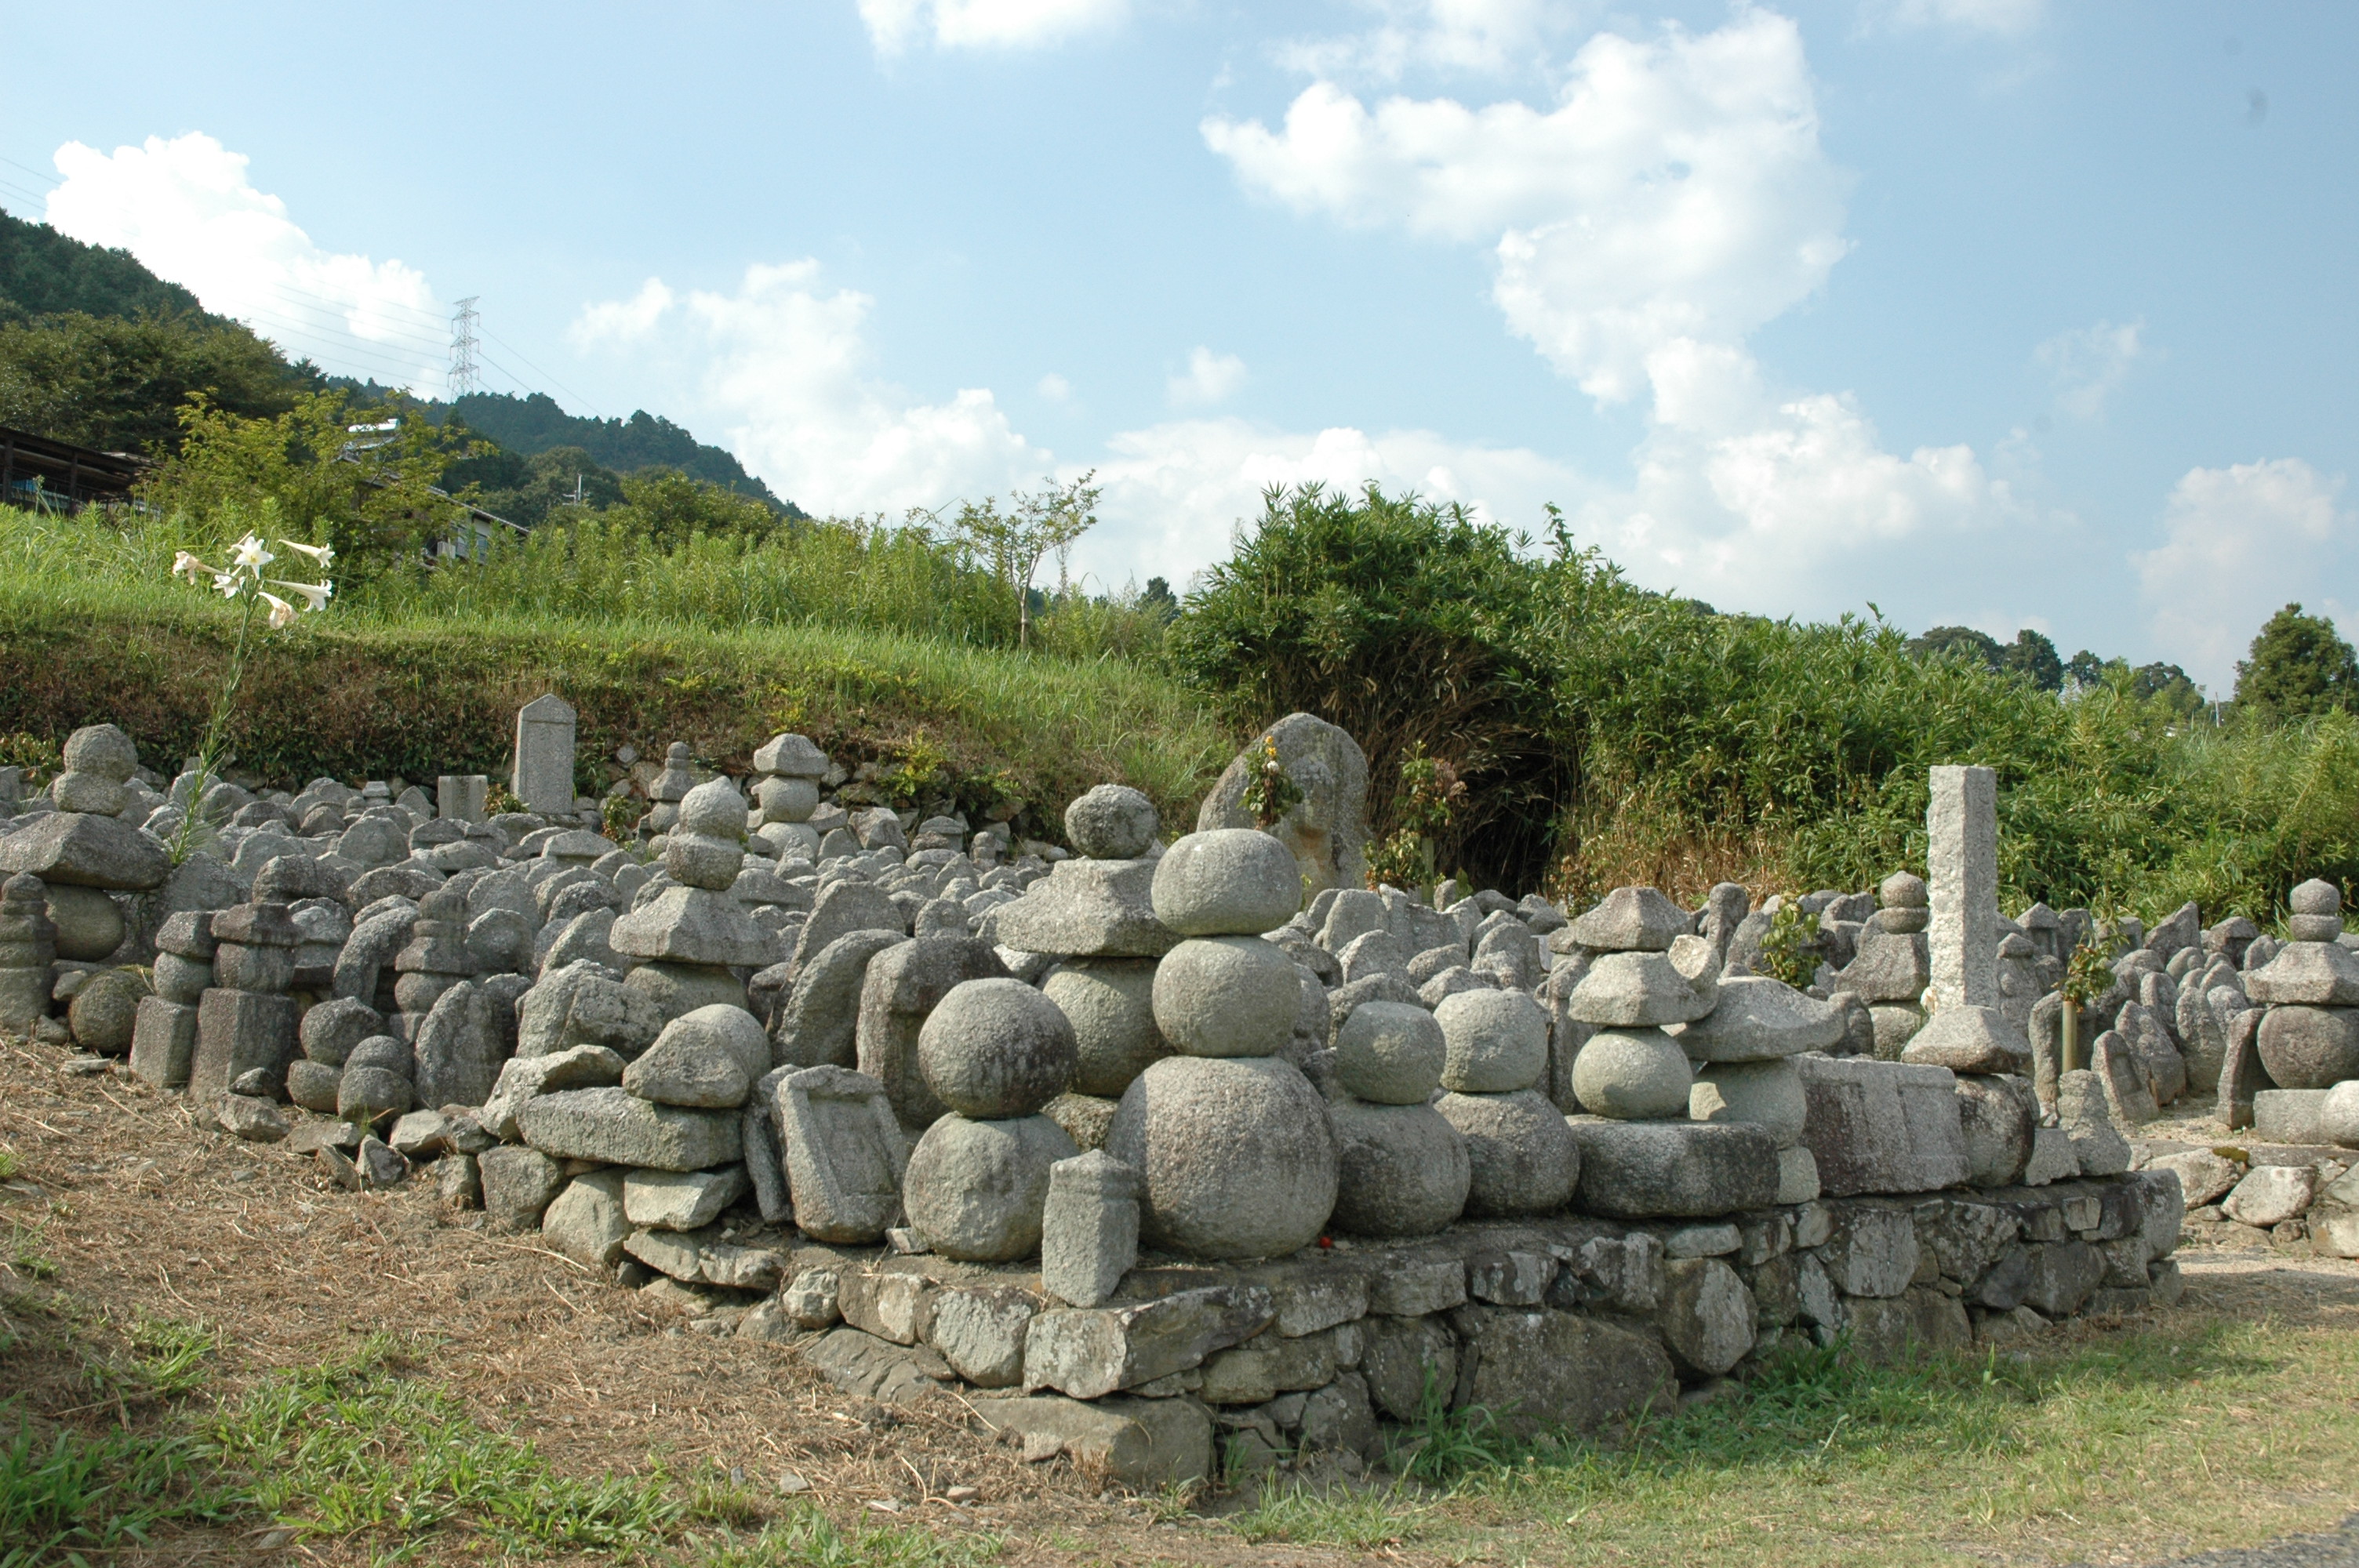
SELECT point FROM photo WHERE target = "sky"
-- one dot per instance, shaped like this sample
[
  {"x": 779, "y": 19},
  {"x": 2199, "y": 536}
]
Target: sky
[{"x": 2001, "y": 313}]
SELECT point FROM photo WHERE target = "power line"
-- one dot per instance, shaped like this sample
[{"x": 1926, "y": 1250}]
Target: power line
[
  {"x": 560, "y": 386},
  {"x": 29, "y": 168}
]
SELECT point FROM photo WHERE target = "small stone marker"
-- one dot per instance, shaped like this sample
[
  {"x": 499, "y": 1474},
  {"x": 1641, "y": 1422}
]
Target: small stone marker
[
  {"x": 544, "y": 755},
  {"x": 1090, "y": 1234},
  {"x": 1962, "y": 823},
  {"x": 461, "y": 797}
]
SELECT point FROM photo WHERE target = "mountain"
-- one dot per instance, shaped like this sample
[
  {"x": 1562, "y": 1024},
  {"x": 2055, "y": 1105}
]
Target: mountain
[
  {"x": 44, "y": 273},
  {"x": 532, "y": 425}
]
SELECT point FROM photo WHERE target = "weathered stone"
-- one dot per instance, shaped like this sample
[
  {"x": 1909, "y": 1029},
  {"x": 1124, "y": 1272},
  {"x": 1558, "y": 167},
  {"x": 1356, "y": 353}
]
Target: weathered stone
[
  {"x": 903, "y": 986},
  {"x": 73, "y": 849},
  {"x": 1410, "y": 1365},
  {"x": 1092, "y": 1352},
  {"x": 105, "y": 1010},
  {"x": 1401, "y": 1170},
  {"x": 891, "y": 1304},
  {"x": 1087, "y": 909},
  {"x": 587, "y": 1222},
  {"x": 996, "y": 1049},
  {"x": 2141, "y": 1027},
  {"x": 693, "y": 925},
  {"x": 1392, "y": 1054},
  {"x": 1643, "y": 990},
  {"x": 1230, "y": 882},
  {"x": 1766, "y": 1094},
  {"x": 1997, "y": 1115},
  {"x": 700, "y": 1257},
  {"x": 682, "y": 1200},
  {"x": 709, "y": 1057},
  {"x": 2129, "y": 1092},
  {"x": 88, "y": 925},
  {"x": 2311, "y": 974},
  {"x": 1144, "y": 1444},
  {"x": 1889, "y": 966},
  {"x": 2098, "y": 1147},
  {"x": 1632, "y": 1074},
  {"x": 870, "y": 1368},
  {"x": 1226, "y": 996},
  {"x": 1110, "y": 1003},
  {"x": 1111, "y": 822},
  {"x": 1882, "y": 1127},
  {"x": 459, "y": 1050},
  {"x": 1707, "y": 1316},
  {"x": 981, "y": 1332},
  {"x": 1968, "y": 1039},
  {"x": 1633, "y": 919},
  {"x": 977, "y": 1190},
  {"x": 1870, "y": 1249},
  {"x": 846, "y": 1154},
  {"x": 1496, "y": 1042},
  {"x": 1961, "y": 829},
  {"x": 1542, "y": 1371},
  {"x": 519, "y": 1185},
  {"x": 1326, "y": 832},
  {"x": 1089, "y": 1237},
  {"x": 249, "y": 1117},
  {"x": 238, "y": 1032},
  {"x": 2271, "y": 1194},
  {"x": 616, "y": 1127},
  {"x": 1651, "y": 1169},
  {"x": 1757, "y": 1018},
  {"x": 2061, "y": 1276},
  {"x": 163, "y": 1042},
  {"x": 1520, "y": 1156},
  {"x": 543, "y": 776},
  {"x": 2309, "y": 1047},
  {"x": 1236, "y": 1155}
]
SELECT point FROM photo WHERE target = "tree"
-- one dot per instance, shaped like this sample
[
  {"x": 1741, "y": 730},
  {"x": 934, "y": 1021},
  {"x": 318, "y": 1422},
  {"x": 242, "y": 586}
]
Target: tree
[
  {"x": 120, "y": 385},
  {"x": 1158, "y": 600},
  {"x": 1958, "y": 642},
  {"x": 2033, "y": 657},
  {"x": 2084, "y": 669},
  {"x": 1013, "y": 542},
  {"x": 2300, "y": 666}
]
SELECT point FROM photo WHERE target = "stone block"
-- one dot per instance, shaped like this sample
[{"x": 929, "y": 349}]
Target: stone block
[
  {"x": 164, "y": 1042},
  {"x": 586, "y": 1222},
  {"x": 1089, "y": 1237},
  {"x": 1140, "y": 1444},
  {"x": 1662, "y": 1170},
  {"x": 239, "y": 1032},
  {"x": 897, "y": 1304},
  {"x": 615, "y": 1127},
  {"x": 1871, "y": 1248},
  {"x": 1539, "y": 1371},
  {"x": 1706, "y": 1316},
  {"x": 543, "y": 776},
  {"x": 845, "y": 1153},
  {"x": 1091, "y": 1352},
  {"x": 519, "y": 1185},
  {"x": 1882, "y": 1127}
]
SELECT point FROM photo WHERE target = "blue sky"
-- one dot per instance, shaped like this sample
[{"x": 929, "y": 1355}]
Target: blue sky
[{"x": 2006, "y": 312}]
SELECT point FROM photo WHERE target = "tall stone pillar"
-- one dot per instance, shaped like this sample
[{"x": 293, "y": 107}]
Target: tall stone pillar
[
  {"x": 1962, "y": 823},
  {"x": 544, "y": 756}
]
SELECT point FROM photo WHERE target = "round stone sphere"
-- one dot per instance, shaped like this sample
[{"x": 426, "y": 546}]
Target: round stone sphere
[
  {"x": 103, "y": 1012},
  {"x": 1497, "y": 1040},
  {"x": 1767, "y": 1093},
  {"x": 1521, "y": 1153},
  {"x": 2310, "y": 1047},
  {"x": 1236, "y": 1156},
  {"x": 2316, "y": 896},
  {"x": 1229, "y": 882},
  {"x": 101, "y": 749},
  {"x": 788, "y": 800},
  {"x": 714, "y": 809},
  {"x": 1401, "y": 1170},
  {"x": 2313, "y": 927},
  {"x": 1389, "y": 1053},
  {"x": 1111, "y": 1004},
  {"x": 2338, "y": 1117},
  {"x": 976, "y": 1190},
  {"x": 1112, "y": 822},
  {"x": 703, "y": 861},
  {"x": 1227, "y": 996},
  {"x": 90, "y": 924},
  {"x": 996, "y": 1048},
  {"x": 1997, "y": 1115},
  {"x": 1632, "y": 1074},
  {"x": 1903, "y": 890}
]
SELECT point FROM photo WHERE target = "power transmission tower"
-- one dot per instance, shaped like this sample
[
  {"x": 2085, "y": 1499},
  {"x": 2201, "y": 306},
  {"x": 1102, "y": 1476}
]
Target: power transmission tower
[{"x": 465, "y": 377}]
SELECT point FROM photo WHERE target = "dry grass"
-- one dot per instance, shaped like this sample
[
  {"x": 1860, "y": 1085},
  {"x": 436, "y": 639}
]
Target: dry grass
[{"x": 2228, "y": 1421}]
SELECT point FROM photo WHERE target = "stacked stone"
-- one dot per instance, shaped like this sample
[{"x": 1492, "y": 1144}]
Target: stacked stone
[
  {"x": 1095, "y": 915},
  {"x": 1745, "y": 1052},
  {"x": 246, "y": 1023},
  {"x": 692, "y": 934},
  {"x": 436, "y": 959},
  {"x": 1231, "y": 1143},
  {"x": 164, "y": 1035},
  {"x": 28, "y": 951},
  {"x": 1645, "y": 972},
  {"x": 787, "y": 770},
  {"x": 1893, "y": 963},
  {"x": 83, "y": 850},
  {"x": 1403, "y": 1166},
  {"x": 2308, "y": 1040},
  {"x": 672, "y": 787},
  {"x": 995, "y": 1052},
  {"x": 1521, "y": 1156}
]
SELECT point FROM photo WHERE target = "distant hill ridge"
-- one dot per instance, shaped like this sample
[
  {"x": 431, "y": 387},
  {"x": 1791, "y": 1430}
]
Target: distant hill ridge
[{"x": 43, "y": 273}]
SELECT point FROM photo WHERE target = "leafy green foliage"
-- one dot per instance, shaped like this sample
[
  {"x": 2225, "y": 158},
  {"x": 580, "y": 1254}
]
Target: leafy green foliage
[
  {"x": 535, "y": 425},
  {"x": 2034, "y": 657},
  {"x": 2299, "y": 666},
  {"x": 1959, "y": 642},
  {"x": 117, "y": 384},
  {"x": 69, "y": 1493},
  {"x": 1790, "y": 948},
  {"x": 44, "y": 273}
]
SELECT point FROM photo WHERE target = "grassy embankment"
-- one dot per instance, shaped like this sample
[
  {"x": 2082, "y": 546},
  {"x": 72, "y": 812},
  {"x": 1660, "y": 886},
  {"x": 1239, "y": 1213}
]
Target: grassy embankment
[{"x": 420, "y": 679}]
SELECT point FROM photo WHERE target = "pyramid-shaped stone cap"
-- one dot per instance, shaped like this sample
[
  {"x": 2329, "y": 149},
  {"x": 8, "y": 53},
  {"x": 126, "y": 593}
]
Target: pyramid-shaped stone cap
[
  {"x": 791, "y": 756},
  {"x": 1633, "y": 919},
  {"x": 1758, "y": 1019}
]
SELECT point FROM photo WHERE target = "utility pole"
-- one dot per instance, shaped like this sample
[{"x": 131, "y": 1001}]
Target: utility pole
[{"x": 465, "y": 375}]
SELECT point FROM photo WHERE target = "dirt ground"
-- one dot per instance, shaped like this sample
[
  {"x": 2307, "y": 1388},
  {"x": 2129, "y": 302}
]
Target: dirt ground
[{"x": 144, "y": 1216}]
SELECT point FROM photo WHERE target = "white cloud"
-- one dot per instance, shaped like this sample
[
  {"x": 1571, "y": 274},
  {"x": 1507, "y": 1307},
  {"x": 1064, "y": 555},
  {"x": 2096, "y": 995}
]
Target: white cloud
[
  {"x": 622, "y": 321},
  {"x": 186, "y": 209},
  {"x": 2089, "y": 365},
  {"x": 1175, "y": 491},
  {"x": 1054, "y": 387},
  {"x": 2002, "y": 18},
  {"x": 1676, "y": 189},
  {"x": 2239, "y": 543},
  {"x": 1488, "y": 37},
  {"x": 1209, "y": 378},
  {"x": 896, "y": 25},
  {"x": 782, "y": 364}
]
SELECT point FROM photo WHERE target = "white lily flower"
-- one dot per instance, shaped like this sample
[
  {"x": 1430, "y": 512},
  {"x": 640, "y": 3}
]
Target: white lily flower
[
  {"x": 321, "y": 554},
  {"x": 228, "y": 583},
  {"x": 316, "y": 593},
  {"x": 251, "y": 553},
  {"x": 281, "y": 612},
  {"x": 187, "y": 565}
]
